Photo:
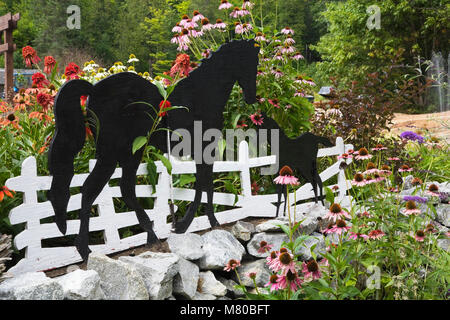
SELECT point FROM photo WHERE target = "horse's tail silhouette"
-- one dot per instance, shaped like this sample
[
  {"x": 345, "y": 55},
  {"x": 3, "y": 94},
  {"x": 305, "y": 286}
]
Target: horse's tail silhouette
[{"x": 69, "y": 138}]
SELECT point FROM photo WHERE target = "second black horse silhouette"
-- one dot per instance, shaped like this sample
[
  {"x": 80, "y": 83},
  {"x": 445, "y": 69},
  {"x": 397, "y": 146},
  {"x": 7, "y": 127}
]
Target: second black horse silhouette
[
  {"x": 118, "y": 103},
  {"x": 300, "y": 154}
]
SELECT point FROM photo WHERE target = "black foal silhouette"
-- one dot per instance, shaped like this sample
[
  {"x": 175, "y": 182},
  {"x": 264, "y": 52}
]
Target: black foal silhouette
[
  {"x": 300, "y": 154},
  {"x": 118, "y": 103}
]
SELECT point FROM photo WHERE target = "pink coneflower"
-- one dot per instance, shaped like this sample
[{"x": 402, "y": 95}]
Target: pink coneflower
[
  {"x": 206, "y": 26},
  {"x": 345, "y": 156},
  {"x": 275, "y": 102},
  {"x": 385, "y": 170},
  {"x": 225, "y": 5},
  {"x": 287, "y": 49},
  {"x": 365, "y": 214},
  {"x": 251, "y": 275},
  {"x": 257, "y": 119},
  {"x": 220, "y": 24},
  {"x": 287, "y": 263},
  {"x": 358, "y": 180},
  {"x": 376, "y": 234},
  {"x": 377, "y": 178},
  {"x": 286, "y": 177},
  {"x": 411, "y": 208},
  {"x": 379, "y": 147},
  {"x": 197, "y": 16},
  {"x": 357, "y": 235},
  {"x": 311, "y": 270},
  {"x": 298, "y": 56},
  {"x": 175, "y": 39},
  {"x": 394, "y": 159},
  {"x": 287, "y": 30},
  {"x": 420, "y": 235},
  {"x": 247, "y": 4},
  {"x": 260, "y": 99},
  {"x": 194, "y": 33},
  {"x": 430, "y": 228},
  {"x": 239, "y": 29},
  {"x": 190, "y": 24},
  {"x": 290, "y": 280},
  {"x": 339, "y": 228},
  {"x": 363, "y": 154},
  {"x": 277, "y": 73},
  {"x": 239, "y": 12},
  {"x": 273, "y": 283},
  {"x": 351, "y": 151},
  {"x": 299, "y": 94},
  {"x": 271, "y": 258},
  {"x": 264, "y": 247},
  {"x": 260, "y": 37},
  {"x": 279, "y": 56},
  {"x": 433, "y": 190},
  {"x": 184, "y": 20},
  {"x": 405, "y": 168},
  {"x": 336, "y": 212},
  {"x": 232, "y": 265},
  {"x": 371, "y": 168},
  {"x": 246, "y": 27},
  {"x": 177, "y": 28},
  {"x": 289, "y": 40}
]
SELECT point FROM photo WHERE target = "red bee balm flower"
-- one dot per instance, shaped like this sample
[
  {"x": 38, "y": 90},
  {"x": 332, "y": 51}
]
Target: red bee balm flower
[
  {"x": 50, "y": 63},
  {"x": 72, "y": 71},
  {"x": 30, "y": 56},
  {"x": 182, "y": 66},
  {"x": 39, "y": 80},
  {"x": 162, "y": 106}
]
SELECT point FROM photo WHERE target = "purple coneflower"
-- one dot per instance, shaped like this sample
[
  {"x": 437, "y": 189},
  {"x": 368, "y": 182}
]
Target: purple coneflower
[
  {"x": 411, "y": 208},
  {"x": 405, "y": 168},
  {"x": 394, "y": 159},
  {"x": 363, "y": 154},
  {"x": 264, "y": 247},
  {"x": 379, "y": 147},
  {"x": 297, "y": 56},
  {"x": 376, "y": 234},
  {"x": 275, "y": 102},
  {"x": 336, "y": 212},
  {"x": 257, "y": 119},
  {"x": 420, "y": 235},
  {"x": 239, "y": 12},
  {"x": 287, "y": 30},
  {"x": 220, "y": 24},
  {"x": 232, "y": 265},
  {"x": 225, "y": 5},
  {"x": 299, "y": 94},
  {"x": 197, "y": 16},
  {"x": 357, "y": 235},
  {"x": 277, "y": 73},
  {"x": 371, "y": 168},
  {"x": 260, "y": 37},
  {"x": 286, "y": 177},
  {"x": 177, "y": 28},
  {"x": 358, "y": 180},
  {"x": 247, "y": 4},
  {"x": 287, "y": 49},
  {"x": 339, "y": 228},
  {"x": 290, "y": 280},
  {"x": 311, "y": 270},
  {"x": 433, "y": 190},
  {"x": 273, "y": 283},
  {"x": 289, "y": 40},
  {"x": 345, "y": 156},
  {"x": 206, "y": 26}
]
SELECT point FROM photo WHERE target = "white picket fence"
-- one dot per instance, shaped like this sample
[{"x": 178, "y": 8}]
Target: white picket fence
[{"x": 31, "y": 211}]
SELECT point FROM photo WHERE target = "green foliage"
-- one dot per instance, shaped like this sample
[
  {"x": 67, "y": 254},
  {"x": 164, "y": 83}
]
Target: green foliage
[{"x": 350, "y": 50}]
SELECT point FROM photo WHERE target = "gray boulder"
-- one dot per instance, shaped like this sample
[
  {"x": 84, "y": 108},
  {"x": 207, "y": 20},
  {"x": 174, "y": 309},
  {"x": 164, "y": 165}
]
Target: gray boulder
[
  {"x": 31, "y": 286},
  {"x": 118, "y": 280},
  {"x": 243, "y": 230},
  {"x": 272, "y": 225},
  {"x": 188, "y": 246},
  {"x": 204, "y": 296},
  {"x": 157, "y": 270},
  {"x": 81, "y": 285},
  {"x": 443, "y": 214},
  {"x": 220, "y": 247},
  {"x": 186, "y": 281},
  {"x": 444, "y": 244},
  {"x": 259, "y": 267},
  {"x": 208, "y": 284},
  {"x": 230, "y": 285},
  {"x": 274, "y": 239}
]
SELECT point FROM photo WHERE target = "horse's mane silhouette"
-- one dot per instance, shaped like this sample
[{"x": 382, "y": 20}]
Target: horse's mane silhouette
[
  {"x": 119, "y": 104},
  {"x": 300, "y": 154}
]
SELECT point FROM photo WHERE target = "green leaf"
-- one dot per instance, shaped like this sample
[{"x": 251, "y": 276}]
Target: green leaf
[
  {"x": 165, "y": 162},
  {"x": 152, "y": 175},
  {"x": 161, "y": 89},
  {"x": 186, "y": 179},
  {"x": 138, "y": 143},
  {"x": 329, "y": 195}
]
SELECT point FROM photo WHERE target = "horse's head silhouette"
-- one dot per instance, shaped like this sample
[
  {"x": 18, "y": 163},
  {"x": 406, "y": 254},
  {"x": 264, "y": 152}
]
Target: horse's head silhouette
[{"x": 246, "y": 68}]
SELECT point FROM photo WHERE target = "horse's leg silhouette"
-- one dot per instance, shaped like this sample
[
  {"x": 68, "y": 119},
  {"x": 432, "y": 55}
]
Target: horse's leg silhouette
[
  {"x": 210, "y": 193},
  {"x": 92, "y": 187},
  {"x": 182, "y": 225},
  {"x": 128, "y": 189}
]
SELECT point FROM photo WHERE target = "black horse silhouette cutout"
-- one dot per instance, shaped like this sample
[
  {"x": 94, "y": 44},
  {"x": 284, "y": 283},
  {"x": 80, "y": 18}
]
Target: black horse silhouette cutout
[
  {"x": 300, "y": 154},
  {"x": 118, "y": 103}
]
